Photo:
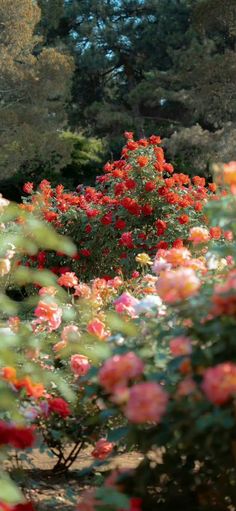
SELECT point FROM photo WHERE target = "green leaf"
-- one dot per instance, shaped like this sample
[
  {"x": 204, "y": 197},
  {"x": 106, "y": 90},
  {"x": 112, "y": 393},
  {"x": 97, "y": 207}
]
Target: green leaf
[
  {"x": 8, "y": 490},
  {"x": 117, "y": 434},
  {"x": 113, "y": 498}
]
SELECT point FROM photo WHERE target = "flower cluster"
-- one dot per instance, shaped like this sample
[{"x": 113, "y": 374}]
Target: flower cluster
[{"x": 138, "y": 205}]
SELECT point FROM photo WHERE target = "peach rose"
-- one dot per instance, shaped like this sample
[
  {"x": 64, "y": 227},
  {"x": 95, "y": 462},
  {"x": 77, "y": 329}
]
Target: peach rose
[
  {"x": 176, "y": 285},
  {"x": 199, "y": 235},
  {"x": 97, "y": 328},
  {"x": 48, "y": 313}
]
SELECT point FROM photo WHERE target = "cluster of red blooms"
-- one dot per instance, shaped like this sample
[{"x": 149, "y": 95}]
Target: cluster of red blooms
[
  {"x": 139, "y": 200},
  {"x": 19, "y": 437},
  {"x": 24, "y": 506}
]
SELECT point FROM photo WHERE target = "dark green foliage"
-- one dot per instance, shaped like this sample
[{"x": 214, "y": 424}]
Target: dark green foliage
[{"x": 152, "y": 66}]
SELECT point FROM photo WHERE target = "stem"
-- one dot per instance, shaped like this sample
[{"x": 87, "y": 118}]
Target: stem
[{"x": 73, "y": 455}]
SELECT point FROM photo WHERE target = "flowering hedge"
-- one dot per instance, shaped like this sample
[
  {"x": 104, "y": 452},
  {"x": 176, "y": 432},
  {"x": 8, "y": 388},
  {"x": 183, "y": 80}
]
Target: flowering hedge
[{"x": 142, "y": 355}]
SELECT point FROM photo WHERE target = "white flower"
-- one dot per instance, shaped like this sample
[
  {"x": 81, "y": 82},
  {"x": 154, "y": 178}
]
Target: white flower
[
  {"x": 3, "y": 202},
  {"x": 147, "y": 304},
  {"x": 160, "y": 265}
]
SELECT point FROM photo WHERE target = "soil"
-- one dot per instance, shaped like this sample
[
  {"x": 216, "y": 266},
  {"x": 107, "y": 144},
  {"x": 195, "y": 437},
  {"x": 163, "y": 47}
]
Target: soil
[{"x": 61, "y": 491}]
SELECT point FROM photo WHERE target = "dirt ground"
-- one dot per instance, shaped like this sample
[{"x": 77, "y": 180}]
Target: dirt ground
[{"x": 61, "y": 492}]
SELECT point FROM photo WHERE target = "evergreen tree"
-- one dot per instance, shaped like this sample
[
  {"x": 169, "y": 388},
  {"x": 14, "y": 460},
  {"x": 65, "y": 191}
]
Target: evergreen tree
[{"x": 152, "y": 66}]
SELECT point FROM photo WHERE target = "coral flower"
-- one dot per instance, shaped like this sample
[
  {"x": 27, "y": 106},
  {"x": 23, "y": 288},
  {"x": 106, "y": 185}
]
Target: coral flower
[
  {"x": 97, "y": 328},
  {"x": 118, "y": 370},
  {"x": 215, "y": 233},
  {"x": 79, "y": 364},
  {"x": 219, "y": 383},
  {"x": 230, "y": 173},
  {"x": 102, "y": 449},
  {"x": 180, "y": 346},
  {"x": 9, "y": 374},
  {"x": 176, "y": 285},
  {"x": 199, "y": 235},
  {"x": 147, "y": 403},
  {"x": 142, "y": 161},
  {"x": 68, "y": 279},
  {"x": 48, "y": 313},
  {"x": 177, "y": 256}
]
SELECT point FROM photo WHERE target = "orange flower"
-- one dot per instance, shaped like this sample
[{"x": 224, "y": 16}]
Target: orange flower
[
  {"x": 35, "y": 390},
  {"x": 199, "y": 235},
  {"x": 177, "y": 256},
  {"x": 9, "y": 373},
  {"x": 230, "y": 173},
  {"x": 142, "y": 161}
]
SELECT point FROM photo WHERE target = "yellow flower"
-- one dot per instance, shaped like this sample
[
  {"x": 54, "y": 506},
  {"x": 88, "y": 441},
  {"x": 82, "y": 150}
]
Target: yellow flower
[{"x": 143, "y": 259}]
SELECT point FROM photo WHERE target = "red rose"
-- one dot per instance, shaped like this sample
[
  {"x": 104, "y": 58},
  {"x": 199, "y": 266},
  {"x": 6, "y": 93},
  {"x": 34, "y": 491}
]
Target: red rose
[
  {"x": 120, "y": 224},
  {"x": 59, "y": 406},
  {"x": 150, "y": 186},
  {"x": 28, "y": 187},
  {"x": 25, "y": 506}
]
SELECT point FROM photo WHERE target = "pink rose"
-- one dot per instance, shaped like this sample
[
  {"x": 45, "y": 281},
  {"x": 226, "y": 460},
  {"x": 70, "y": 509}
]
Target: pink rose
[
  {"x": 48, "y": 313},
  {"x": 102, "y": 449},
  {"x": 79, "y": 365},
  {"x": 180, "y": 346},
  {"x": 126, "y": 304},
  {"x": 70, "y": 333},
  {"x": 97, "y": 328},
  {"x": 219, "y": 383},
  {"x": 118, "y": 370},
  {"x": 147, "y": 403}
]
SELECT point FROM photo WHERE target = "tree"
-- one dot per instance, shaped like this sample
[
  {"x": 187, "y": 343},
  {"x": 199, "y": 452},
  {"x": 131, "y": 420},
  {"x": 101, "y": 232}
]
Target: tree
[
  {"x": 114, "y": 44},
  {"x": 34, "y": 88},
  {"x": 200, "y": 85},
  {"x": 152, "y": 66}
]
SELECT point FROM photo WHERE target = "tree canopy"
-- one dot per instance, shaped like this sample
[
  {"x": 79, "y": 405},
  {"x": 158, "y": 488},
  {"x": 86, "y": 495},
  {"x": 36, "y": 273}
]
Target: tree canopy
[
  {"x": 34, "y": 88},
  {"x": 142, "y": 65}
]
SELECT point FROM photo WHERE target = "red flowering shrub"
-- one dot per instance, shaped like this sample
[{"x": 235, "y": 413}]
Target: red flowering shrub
[{"x": 139, "y": 204}]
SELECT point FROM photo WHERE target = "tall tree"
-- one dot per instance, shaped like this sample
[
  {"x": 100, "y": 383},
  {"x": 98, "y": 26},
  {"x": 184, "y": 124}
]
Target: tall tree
[
  {"x": 153, "y": 65},
  {"x": 34, "y": 88},
  {"x": 198, "y": 87},
  {"x": 115, "y": 43}
]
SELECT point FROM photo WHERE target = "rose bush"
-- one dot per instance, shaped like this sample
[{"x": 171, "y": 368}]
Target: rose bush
[
  {"x": 133, "y": 347},
  {"x": 139, "y": 205}
]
